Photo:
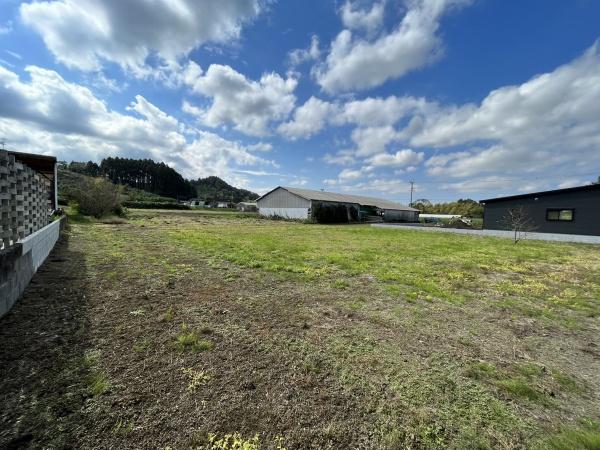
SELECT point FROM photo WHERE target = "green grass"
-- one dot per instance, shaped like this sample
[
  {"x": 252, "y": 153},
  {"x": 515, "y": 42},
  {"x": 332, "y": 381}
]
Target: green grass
[
  {"x": 536, "y": 278},
  {"x": 517, "y": 387},
  {"x": 190, "y": 341},
  {"x": 429, "y": 333},
  {"x": 586, "y": 437}
]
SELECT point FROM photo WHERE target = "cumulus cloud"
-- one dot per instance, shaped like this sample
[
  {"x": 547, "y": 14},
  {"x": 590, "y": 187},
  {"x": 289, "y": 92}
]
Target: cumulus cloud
[
  {"x": 549, "y": 121},
  {"x": 357, "y": 63},
  {"x": 355, "y": 18},
  {"x": 301, "y": 55},
  {"x": 67, "y": 120},
  {"x": 405, "y": 157},
  {"x": 249, "y": 106},
  {"x": 83, "y": 34},
  {"x": 308, "y": 119}
]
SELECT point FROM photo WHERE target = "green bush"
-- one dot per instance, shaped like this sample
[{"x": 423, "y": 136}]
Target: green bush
[
  {"x": 154, "y": 205},
  {"x": 97, "y": 197}
]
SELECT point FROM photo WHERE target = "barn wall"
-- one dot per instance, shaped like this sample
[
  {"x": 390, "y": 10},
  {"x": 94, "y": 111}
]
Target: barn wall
[
  {"x": 585, "y": 203},
  {"x": 288, "y": 213},
  {"x": 280, "y": 198}
]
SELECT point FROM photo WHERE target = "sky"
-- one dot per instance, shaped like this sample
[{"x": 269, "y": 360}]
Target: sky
[{"x": 464, "y": 98}]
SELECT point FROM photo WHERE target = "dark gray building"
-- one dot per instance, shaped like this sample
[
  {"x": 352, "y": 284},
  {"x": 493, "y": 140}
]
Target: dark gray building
[{"x": 573, "y": 210}]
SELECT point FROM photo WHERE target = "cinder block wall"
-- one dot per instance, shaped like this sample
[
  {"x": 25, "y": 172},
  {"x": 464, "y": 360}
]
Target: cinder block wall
[{"x": 19, "y": 263}]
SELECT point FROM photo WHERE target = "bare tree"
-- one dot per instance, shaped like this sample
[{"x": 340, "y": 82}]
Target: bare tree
[{"x": 517, "y": 219}]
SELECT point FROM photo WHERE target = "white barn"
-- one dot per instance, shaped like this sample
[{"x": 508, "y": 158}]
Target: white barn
[{"x": 296, "y": 203}]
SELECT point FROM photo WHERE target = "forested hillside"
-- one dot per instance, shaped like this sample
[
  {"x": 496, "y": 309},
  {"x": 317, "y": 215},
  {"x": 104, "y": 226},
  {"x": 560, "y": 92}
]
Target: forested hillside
[
  {"x": 158, "y": 179},
  {"x": 213, "y": 188}
]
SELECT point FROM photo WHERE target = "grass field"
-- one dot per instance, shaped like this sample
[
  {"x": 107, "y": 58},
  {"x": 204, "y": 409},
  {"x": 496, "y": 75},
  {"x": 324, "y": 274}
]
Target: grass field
[{"x": 178, "y": 329}]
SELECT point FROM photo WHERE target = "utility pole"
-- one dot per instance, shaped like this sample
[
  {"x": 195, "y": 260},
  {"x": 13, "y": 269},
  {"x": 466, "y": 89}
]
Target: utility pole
[
  {"x": 3, "y": 143},
  {"x": 412, "y": 189}
]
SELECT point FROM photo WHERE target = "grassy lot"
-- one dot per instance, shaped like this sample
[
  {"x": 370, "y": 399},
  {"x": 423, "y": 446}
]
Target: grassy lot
[{"x": 183, "y": 329}]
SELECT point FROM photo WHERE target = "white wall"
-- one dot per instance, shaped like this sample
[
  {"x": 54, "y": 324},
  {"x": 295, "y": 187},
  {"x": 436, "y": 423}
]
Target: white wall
[{"x": 288, "y": 213}]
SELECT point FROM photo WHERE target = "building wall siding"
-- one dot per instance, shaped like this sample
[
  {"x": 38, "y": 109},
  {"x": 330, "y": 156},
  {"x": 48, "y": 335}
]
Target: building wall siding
[
  {"x": 280, "y": 198},
  {"x": 288, "y": 213},
  {"x": 585, "y": 203}
]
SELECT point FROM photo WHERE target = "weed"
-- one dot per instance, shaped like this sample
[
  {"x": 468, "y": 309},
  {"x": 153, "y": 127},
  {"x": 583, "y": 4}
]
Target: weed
[
  {"x": 142, "y": 346},
  {"x": 189, "y": 341},
  {"x": 169, "y": 315},
  {"x": 97, "y": 383},
  {"x": 196, "y": 378},
  {"x": 236, "y": 442},
  {"x": 124, "y": 427}
]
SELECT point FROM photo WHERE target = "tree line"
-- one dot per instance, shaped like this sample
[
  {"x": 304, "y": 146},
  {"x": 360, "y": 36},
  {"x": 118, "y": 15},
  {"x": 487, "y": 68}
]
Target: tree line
[
  {"x": 160, "y": 179},
  {"x": 464, "y": 207}
]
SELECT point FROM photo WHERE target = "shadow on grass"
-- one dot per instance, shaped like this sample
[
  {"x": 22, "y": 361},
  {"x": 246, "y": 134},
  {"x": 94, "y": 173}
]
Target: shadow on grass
[{"x": 42, "y": 345}]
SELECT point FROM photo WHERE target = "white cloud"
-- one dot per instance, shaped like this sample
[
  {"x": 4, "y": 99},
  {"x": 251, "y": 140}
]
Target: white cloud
[
  {"x": 356, "y": 63},
  {"x": 83, "y": 34},
  {"x": 550, "y": 121},
  {"x": 250, "y": 106},
  {"x": 308, "y": 119},
  {"x": 6, "y": 28},
  {"x": 14, "y": 54},
  {"x": 347, "y": 175},
  {"x": 261, "y": 147},
  {"x": 342, "y": 158},
  {"x": 355, "y": 18},
  {"x": 67, "y": 120},
  {"x": 301, "y": 55},
  {"x": 372, "y": 140},
  {"x": 405, "y": 157},
  {"x": 380, "y": 111}
]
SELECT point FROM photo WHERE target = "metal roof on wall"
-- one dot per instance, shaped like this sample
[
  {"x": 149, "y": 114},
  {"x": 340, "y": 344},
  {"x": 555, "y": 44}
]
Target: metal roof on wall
[
  {"x": 587, "y": 187},
  {"x": 310, "y": 194}
]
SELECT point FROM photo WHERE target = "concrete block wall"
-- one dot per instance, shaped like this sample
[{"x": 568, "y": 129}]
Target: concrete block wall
[{"x": 19, "y": 263}]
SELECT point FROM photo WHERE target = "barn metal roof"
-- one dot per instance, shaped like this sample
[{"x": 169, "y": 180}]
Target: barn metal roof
[{"x": 310, "y": 194}]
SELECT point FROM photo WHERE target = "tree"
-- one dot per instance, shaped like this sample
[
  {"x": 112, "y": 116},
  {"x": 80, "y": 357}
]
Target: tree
[
  {"x": 97, "y": 197},
  {"x": 517, "y": 219}
]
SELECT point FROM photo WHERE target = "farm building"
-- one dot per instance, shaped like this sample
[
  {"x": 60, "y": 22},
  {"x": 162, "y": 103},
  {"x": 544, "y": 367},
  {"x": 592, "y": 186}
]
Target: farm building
[
  {"x": 573, "y": 210},
  {"x": 247, "y": 207},
  {"x": 296, "y": 203}
]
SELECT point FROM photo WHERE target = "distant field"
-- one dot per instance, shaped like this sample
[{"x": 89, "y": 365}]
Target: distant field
[{"x": 310, "y": 336}]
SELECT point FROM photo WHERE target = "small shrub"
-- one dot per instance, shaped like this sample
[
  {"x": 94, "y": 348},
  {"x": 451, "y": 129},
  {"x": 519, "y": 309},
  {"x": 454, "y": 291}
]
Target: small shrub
[{"x": 96, "y": 197}]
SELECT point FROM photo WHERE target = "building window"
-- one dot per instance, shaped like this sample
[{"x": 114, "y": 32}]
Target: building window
[{"x": 560, "y": 215}]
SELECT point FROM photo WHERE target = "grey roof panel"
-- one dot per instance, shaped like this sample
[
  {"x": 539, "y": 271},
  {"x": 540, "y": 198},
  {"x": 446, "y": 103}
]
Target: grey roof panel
[{"x": 324, "y": 196}]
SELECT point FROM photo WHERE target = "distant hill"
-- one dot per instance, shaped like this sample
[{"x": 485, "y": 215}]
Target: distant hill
[
  {"x": 213, "y": 188},
  {"x": 68, "y": 181},
  {"x": 148, "y": 181}
]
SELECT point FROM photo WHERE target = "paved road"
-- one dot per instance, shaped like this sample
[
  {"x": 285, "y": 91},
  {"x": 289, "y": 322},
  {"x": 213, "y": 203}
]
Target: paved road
[{"x": 499, "y": 233}]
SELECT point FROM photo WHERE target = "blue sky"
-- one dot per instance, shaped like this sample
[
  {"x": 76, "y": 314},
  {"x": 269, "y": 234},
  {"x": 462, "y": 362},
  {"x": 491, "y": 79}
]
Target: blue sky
[{"x": 467, "y": 98}]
